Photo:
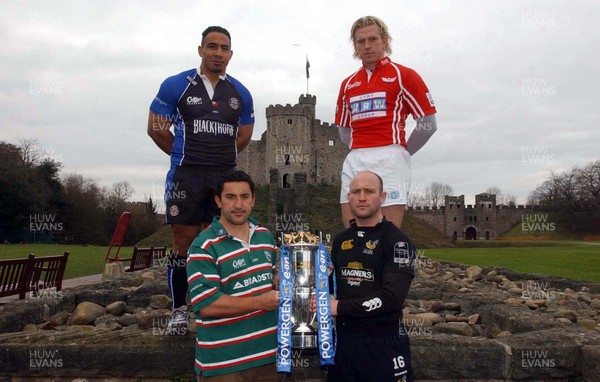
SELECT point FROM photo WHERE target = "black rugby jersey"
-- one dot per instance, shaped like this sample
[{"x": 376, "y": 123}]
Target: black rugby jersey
[{"x": 373, "y": 271}]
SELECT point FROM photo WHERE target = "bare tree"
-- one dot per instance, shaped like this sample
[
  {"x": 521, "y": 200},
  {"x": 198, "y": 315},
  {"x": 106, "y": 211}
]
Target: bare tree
[
  {"x": 573, "y": 196},
  {"x": 122, "y": 190},
  {"x": 501, "y": 198},
  {"x": 416, "y": 199},
  {"x": 436, "y": 192},
  {"x": 29, "y": 151}
]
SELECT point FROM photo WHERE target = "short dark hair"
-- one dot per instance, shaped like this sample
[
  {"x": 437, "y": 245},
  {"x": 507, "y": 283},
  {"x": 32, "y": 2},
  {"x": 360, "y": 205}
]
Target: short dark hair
[
  {"x": 217, "y": 29},
  {"x": 234, "y": 176}
]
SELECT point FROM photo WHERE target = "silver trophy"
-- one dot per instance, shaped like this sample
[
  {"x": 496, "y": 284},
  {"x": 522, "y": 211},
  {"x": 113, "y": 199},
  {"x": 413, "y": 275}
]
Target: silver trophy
[{"x": 302, "y": 247}]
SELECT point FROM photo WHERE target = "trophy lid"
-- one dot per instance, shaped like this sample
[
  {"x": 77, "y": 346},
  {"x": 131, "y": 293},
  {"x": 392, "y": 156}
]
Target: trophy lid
[{"x": 300, "y": 238}]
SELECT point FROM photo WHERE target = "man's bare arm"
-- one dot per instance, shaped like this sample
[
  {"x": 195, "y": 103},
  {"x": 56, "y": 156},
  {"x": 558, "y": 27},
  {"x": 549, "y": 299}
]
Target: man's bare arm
[
  {"x": 244, "y": 136},
  {"x": 158, "y": 130}
]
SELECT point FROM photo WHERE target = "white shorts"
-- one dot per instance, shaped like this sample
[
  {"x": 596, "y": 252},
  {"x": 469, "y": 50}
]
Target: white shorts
[{"x": 391, "y": 163}]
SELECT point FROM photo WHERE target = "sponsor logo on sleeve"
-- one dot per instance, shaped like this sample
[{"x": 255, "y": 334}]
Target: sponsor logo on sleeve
[
  {"x": 372, "y": 304},
  {"x": 430, "y": 98},
  {"x": 401, "y": 253}
]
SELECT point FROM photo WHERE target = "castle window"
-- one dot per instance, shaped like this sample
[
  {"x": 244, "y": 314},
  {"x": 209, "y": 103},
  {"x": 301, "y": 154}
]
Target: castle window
[
  {"x": 470, "y": 218},
  {"x": 455, "y": 218},
  {"x": 286, "y": 181},
  {"x": 458, "y": 206},
  {"x": 290, "y": 122},
  {"x": 490, "y": 205},
  {"x": 486, "y": 218},
  {"x": 450, "y": 205},
  {"x": 487, "y": 235},
  {"x": 482, "y": 205},
  {"x": 331, "y": 143},
  {"x": 475, "y": 218}
]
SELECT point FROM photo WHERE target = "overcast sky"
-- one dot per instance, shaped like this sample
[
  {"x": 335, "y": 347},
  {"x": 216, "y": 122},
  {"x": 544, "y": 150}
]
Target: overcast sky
[{"x": 514, "y": 82}]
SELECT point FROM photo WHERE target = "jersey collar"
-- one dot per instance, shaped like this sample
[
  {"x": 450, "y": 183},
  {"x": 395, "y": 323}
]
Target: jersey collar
[
  {"x": 223, "y": 77},
  {"x": 384, "y": 61},
  {"x": 219, "y": 230},
  {"x": 354, "y": 226}
]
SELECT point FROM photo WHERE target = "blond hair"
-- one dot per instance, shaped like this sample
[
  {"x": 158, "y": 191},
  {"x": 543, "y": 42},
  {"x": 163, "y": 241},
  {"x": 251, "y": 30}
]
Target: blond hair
[{"x": 365, "y": 22}]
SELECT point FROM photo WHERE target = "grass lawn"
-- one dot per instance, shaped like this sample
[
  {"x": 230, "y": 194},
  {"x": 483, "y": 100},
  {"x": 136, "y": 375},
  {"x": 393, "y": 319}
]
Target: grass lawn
[
  {"x": 84, "y": 260},
  {"x": 578, "y": 260}
]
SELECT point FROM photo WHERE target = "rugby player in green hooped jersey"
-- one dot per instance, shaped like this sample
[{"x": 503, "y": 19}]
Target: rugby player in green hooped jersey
[{"x": 231, "y": 268}]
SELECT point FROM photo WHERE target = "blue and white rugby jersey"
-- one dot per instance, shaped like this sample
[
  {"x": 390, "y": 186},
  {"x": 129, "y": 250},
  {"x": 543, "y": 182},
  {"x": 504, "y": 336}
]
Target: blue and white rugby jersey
[{"x": 205, "y": 125}]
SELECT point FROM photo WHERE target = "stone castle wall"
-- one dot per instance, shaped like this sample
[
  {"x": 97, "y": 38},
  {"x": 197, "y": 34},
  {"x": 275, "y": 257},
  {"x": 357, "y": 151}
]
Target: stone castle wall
[{"x": 483, "y": 220}]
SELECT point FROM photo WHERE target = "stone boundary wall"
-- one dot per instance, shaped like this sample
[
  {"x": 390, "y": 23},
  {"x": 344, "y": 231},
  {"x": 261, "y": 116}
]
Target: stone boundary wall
[{"x": 465, "y": 324}]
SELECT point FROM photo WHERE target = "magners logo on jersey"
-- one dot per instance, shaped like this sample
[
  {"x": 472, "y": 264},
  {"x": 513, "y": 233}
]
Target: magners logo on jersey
[
  {"x": 348, "y": 244},
  {"x": 355, "y": 272}
]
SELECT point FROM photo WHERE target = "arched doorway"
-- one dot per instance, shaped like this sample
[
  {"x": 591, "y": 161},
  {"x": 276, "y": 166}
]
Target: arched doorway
[{"x": 471, "y": 233}]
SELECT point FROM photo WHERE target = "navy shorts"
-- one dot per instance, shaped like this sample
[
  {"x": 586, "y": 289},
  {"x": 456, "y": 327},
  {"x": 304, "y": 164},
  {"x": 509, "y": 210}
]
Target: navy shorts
[
  {"x": 190, "y": 195},
  {"x": 371, "y": 358}
]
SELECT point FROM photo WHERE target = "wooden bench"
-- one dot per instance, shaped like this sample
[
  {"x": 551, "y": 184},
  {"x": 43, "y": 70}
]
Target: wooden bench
[
  {"x": 48, "y": 272},
  {"x": 143, "y": 258},
  {"x": 14, "y": 274},
  {"x": 31, "y": 274}
]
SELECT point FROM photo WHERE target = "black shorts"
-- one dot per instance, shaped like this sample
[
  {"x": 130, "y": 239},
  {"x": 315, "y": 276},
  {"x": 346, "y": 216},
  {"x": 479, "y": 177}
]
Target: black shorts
[
  {"x": 190, "y": 195},
  {"x": 371, "y": 358}
]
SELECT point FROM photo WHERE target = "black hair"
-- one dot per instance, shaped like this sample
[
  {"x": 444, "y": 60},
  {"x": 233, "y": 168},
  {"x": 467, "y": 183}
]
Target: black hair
[
  {"x": 234, "y": 176},
  {"x": 215, "y": 29}
]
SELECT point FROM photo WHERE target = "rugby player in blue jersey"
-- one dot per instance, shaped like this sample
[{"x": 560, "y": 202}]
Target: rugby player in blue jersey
[{"x": 201, "y": 118}]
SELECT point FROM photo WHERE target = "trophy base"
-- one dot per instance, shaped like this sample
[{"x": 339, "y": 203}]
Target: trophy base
[{"x": 304, "y": 340}]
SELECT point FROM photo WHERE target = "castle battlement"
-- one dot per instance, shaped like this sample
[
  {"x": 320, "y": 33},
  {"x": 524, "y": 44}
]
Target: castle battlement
[
  {"x": 308, "y": 99},
  {"x": 327, "y": 125},
  {"x": 287, "y": 110},
  {"x": 482, "y": 220}
]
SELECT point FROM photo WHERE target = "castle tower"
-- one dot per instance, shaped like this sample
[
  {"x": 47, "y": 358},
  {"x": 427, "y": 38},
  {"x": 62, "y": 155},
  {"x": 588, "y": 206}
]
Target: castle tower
[
  {"x": 454, "y": 216},
  {"x": 290, "y": 162},
  {"x": 289, "y": 137},
  {"x": 485, "y": 208}
]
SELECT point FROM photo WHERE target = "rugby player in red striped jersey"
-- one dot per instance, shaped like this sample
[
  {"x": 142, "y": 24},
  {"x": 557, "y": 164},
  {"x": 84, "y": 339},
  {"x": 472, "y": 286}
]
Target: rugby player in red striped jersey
[{"x": 371, "y": 112}]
